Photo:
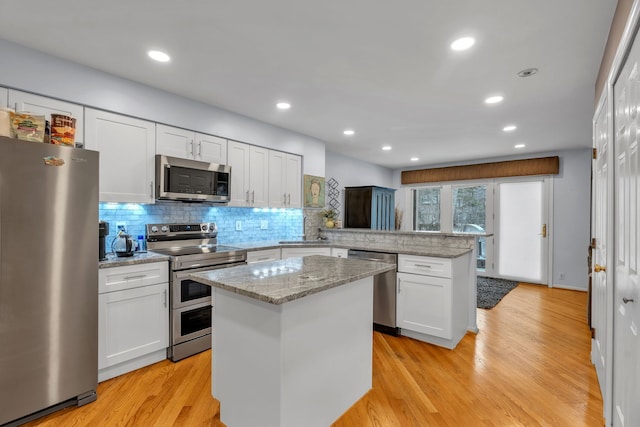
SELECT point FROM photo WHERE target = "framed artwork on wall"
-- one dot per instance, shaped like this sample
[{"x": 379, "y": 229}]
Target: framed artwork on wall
[{"x": 313, "y": 191}]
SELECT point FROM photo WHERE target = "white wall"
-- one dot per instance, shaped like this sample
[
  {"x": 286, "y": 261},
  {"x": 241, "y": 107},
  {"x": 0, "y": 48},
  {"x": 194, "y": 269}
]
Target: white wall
[
  {"x": 32, "y": 71},
  {"x": 350, "y": 172},
  {"x": 571, "y": 213},
  {"x": 572, "y": 216}
]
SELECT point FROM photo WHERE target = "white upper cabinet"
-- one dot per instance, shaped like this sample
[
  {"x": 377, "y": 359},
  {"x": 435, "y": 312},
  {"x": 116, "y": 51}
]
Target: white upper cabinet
[
  {"x": 4, "y": 97},
  {"x": 186, "y": 144},
  {"x": 293, "y": 180},
  {"x": 23, "y": 101},
  {"x": 127, "y": 150},
  {"x": 209, "y": 148},
  {"x": 249, "y": 174},
  {"x": 174, "y": 142},
  {"x": 285, "y": 176}
]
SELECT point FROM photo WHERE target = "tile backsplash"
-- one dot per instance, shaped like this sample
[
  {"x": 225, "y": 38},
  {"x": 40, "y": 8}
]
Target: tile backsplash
[{"x": 256, "y": 223}]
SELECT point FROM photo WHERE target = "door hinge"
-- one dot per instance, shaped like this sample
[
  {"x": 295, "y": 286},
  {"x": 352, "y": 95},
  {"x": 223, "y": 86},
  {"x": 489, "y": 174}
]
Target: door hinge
[
  {"x": 593, "y": 243},
  {"x": 595, "y": 153}
]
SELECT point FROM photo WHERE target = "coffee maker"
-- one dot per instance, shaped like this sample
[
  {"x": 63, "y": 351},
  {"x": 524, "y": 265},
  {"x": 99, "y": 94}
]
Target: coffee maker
[{"x": 103, "y": 232}]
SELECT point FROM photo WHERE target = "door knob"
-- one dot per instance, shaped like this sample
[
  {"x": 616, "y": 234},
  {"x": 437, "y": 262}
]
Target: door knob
[
  {"x": 627, "y": 300},
  {"x": 598, "y": 268}
]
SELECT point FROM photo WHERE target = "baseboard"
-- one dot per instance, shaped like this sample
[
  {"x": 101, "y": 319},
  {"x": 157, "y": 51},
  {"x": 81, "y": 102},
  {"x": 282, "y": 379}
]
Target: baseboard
[
  {"x": 570, "y": 288},
  {"x": 131, "y": 365}
]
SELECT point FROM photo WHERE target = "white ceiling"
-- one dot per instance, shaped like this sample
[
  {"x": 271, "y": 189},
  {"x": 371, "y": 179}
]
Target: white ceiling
[{"x": 380, "y": 67}]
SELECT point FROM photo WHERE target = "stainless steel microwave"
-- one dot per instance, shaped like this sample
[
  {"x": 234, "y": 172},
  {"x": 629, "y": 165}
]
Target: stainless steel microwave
[{"x": 191, "y": 180}]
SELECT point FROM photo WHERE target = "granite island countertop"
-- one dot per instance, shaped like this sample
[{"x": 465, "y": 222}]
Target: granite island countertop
[
  {"x": 406, "y": 249},
  {"x": 277, "y": 282}
]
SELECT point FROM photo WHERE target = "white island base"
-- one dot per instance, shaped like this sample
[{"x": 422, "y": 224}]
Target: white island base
[{"x": 300, "y": 363}]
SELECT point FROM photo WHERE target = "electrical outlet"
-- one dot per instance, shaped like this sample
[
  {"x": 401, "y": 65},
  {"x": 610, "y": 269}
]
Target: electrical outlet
[
  {"x": 561, "y": 276},
  {"x": 121, "y": 226},
  {"x": 264, "y": 224},
  {"x": 238, "y": 225}
]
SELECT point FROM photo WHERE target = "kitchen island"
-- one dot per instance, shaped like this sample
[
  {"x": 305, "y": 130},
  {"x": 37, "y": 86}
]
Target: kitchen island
[{"x": 292, "y": 339}]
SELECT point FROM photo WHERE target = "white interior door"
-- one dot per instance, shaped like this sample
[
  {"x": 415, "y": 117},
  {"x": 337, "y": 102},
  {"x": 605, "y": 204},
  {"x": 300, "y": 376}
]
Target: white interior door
[
  {"x": 601, "y": 293},
  {"x": 521, "y": 230},
  {"x": 626, "y": 302}
]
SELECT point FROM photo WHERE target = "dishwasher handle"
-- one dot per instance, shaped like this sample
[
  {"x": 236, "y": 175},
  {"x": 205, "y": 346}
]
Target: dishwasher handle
[{"x": 373, "y": 256}]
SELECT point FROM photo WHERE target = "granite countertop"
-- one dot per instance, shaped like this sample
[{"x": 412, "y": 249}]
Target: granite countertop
[
  {"x": 419, "y": 250},
  {"x": 137, "y": 258},
  {"x": 272, "y": 244},
  {"x": 277, "y": 282}
]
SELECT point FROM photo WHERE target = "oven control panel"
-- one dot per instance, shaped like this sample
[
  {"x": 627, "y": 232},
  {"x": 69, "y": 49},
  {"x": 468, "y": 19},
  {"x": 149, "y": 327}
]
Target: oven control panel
[{"x": 182, "y": 229}]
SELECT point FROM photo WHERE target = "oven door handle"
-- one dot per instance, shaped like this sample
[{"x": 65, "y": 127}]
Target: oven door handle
[{"x": 194, "y": 268}]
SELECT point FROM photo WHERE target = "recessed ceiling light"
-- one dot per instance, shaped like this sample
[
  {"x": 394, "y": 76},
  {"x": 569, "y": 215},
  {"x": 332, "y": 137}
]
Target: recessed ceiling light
[
  {"x": 158, "y": 56},
  {"x": 494, "y": 99},
  {"x": 510, "y": 128},
  {"x": 349, "y": 132},
  {"x": 519, "y": 146},
  {"x": 386, "y": 147},
  {"x": 463, "y": 43},
  {"x": 414, "y": 159},
  {"x": 283, "y": 105}
]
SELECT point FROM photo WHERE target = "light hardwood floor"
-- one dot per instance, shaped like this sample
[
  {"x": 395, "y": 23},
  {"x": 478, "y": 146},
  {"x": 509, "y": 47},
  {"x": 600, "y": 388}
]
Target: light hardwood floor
[{"x": 528, "y": 366}]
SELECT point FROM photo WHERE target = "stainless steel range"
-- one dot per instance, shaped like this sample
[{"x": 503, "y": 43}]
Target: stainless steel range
[{"x": 191, "y": 248}]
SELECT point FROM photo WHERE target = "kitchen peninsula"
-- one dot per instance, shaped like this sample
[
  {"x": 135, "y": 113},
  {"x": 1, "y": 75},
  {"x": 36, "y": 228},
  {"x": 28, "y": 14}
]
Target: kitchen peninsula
[{"x": 292, "y": 342}]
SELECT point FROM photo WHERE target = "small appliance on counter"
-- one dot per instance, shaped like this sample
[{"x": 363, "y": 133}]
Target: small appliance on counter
[
  {"x": 122, "y": 245},
  {"x": 103, "y": 232}
]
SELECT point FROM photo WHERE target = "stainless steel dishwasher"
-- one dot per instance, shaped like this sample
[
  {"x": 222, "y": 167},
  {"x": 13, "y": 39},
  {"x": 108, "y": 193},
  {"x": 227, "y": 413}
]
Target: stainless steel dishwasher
[{"x": 384, "y": 291}]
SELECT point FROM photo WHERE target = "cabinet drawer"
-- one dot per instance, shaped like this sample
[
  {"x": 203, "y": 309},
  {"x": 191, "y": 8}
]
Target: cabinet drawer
[
  {"x": 263, "y": 255},
  {"x": 430, "y": 266},
  {"x": 132, "y": 276}
]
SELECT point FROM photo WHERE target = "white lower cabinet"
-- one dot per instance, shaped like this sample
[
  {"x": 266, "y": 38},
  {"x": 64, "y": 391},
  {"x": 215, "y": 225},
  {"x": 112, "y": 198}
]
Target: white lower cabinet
[
  {"x": 433, "y": 298},
  {"x": 424, "y": 304},
  {"x": 301, "y": 252},
  {"x": 133, "y": 322},
  {"x": 263, "y": 255}
]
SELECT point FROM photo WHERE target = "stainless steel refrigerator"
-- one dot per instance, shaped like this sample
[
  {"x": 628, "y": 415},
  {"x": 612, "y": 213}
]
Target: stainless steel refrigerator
[{"x": 48, "y": 278}]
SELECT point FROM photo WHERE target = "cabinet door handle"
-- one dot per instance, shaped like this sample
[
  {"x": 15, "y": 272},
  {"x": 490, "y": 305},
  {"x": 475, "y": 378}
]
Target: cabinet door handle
[
  {"x": 253, "y": 196},
  {"x": 139, "y": 276},
  {"x": 151, "y": 189},
  {"x": 423, "y": 265},
  {"x": 189, "y": 149},
  {"x": 284, "y": 199},
  {"x": 165, "y": 297},
  {"x": 247, "y": 198},
  {"x": 200, "y": 150},
  {"x": 289, "y": 199}
]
